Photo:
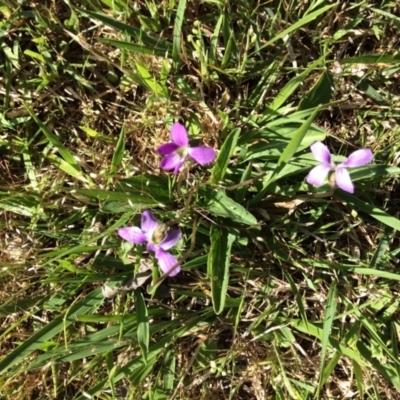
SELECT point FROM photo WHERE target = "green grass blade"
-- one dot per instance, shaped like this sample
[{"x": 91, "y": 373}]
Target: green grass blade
[
  {"x": 218, "y": 266},
  {"x": 118, "y": 155},
  {"x": 143, "y": 329},
  {"x": 294, "y": 143},
  {"x": 371, "y": 210},
  {"x": 287, "y": 154},
  {"x": 219, "y": 204},
  {"x": 224, "y": 156},
  {"x": 176, "y": 49},
  {"x": 326, "y": 332},
  {"x": 293, "y": 27},
  {"x": 320, "y": 93},
  {"x": 292, "y": 85},
  {"x": 56, "y": 142},
  {"x": 53, "y": 328},
  {"x": 157, "y": 44},
  {"x": 150, "y": 82}
]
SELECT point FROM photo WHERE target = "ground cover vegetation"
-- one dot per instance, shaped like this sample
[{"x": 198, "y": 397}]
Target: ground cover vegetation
[{"x": 199, "y": 199}]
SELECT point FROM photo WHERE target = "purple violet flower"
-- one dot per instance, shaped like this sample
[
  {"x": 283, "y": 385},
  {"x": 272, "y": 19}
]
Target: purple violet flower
[
  {"x": 175, "y": 153},
  {"x": 153, "y": 233},
  {"x": 341, "y": 177}
]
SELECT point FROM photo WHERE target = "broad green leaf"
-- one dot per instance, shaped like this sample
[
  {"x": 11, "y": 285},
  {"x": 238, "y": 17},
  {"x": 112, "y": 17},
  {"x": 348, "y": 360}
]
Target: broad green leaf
[
  {"x": 169, "y": 371},
  {"x": 229, "y": 39},
  {"x": 150, "y": 186},
  {"x": 219, "y": 204},
  {"x": 373, "y": 172},
  {"x": 358, "y": 372},
  {"x": 143, "y": 330},
  {"x": 218, "y": 265},
  {"x": 272, "y": 151},
  {"x": 135, "y": 201},
  {"x": 320, "y": 93},
  {"x": 224, "y": 156}
]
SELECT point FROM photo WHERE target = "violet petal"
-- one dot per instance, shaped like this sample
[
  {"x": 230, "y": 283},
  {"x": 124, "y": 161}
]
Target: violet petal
[
  {"x": 179, "y": 135},
  {"x": 171, "y": 161},
  {"x": 318, "y": 174},
  {"x": 167, "y": 148},
  {"x": 343, "y": 180},
  {"x": 167, "y": 262},
  {"x": 171, "y": 239},
  {"x": 178, "y": 167},
  {"x": 359, "y": 158},
  {"x": 152, "y": 247},
  {"x": 202, "y": 155},
  {"x": 132, "y": 234},
  {"x": 321, "y": 153},
  {"x": 149, "y": 224}
]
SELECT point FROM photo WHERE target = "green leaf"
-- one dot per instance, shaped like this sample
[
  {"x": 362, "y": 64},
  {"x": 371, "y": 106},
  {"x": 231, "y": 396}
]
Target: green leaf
[
  {"x": 224, "y": 156},
  {"x": 147, "y": 186},
  {"x": 176, "y": 47},
  {"x": 366, "y": 86},
  {"x": 160, "y": 47},
  {"x": 320, "y": 93},
  {"x": 326, "y": 333},
  {"x": 357, "y": 270},
  {"x": 137, "y": 48},
  {"x": 371, "y": 210},
  {"x": 218, "y": 266},
  {"x": 297, "y": 296},
  {"x": 55, "y": 141},
  {"x": 293, "y": 27},
  {"x": 287, "y": 154},
  {"x": 143, "y": 329},
  {"x": 292, "y": 85},
  {"x": 118, "y": 154},
  {"x": 219, "y": 204},
  {"x": 295, "y": 142},
  {"x": 240, "y": 193},
  {"x": 383, "y": 247},
  {"x": 136, "y": 201},
  {"x": 150, "y": 82},
  {"x": 68, "y": 168}
]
